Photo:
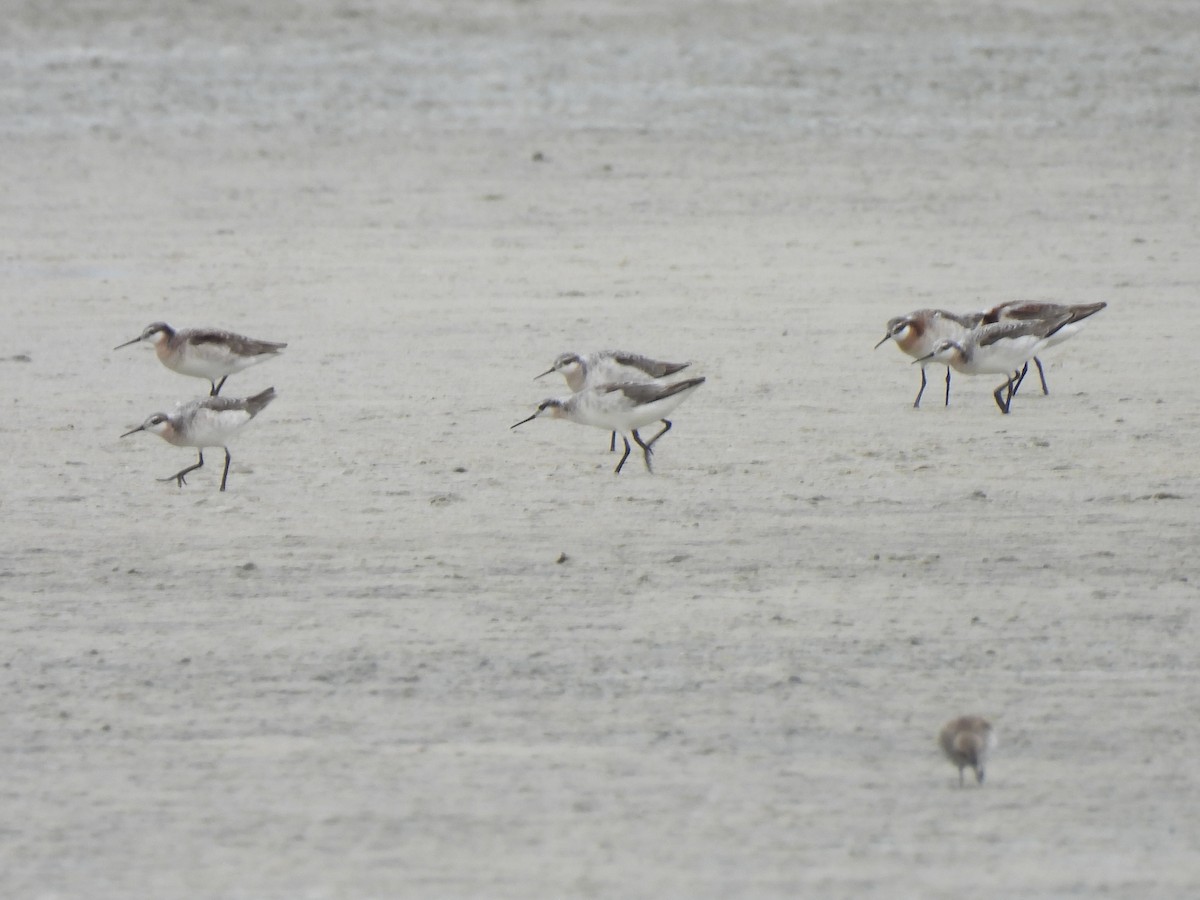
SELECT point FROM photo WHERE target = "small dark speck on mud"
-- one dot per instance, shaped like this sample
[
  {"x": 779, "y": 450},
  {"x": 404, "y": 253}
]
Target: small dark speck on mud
[
  {"x": 248, "y": 567},
  {"x": 562, "y": 558}
]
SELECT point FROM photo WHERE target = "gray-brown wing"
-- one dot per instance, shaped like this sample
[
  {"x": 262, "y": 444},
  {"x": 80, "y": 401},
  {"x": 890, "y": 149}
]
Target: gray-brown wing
[
  {"x": 1083, "y": 310},
  {"x": 1074, "y": 314},
  {"x": 966, "y": 320},
  {"x": 652, "y": 367},
  {"x": 222, "y": 404},
  {"x": 1032, "y": 310},
  {"x": 989, "y": 334},
  {"x": 240, "y": 344},
  {"x": 253, "y": 405},
  {"x": 648, "y": 392},
  {"x": 1019, "y": 311}
]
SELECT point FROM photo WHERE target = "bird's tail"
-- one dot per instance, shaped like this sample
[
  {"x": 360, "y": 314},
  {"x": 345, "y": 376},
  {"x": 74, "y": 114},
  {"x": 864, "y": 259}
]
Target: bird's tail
[{"x": 258, "y": 402}]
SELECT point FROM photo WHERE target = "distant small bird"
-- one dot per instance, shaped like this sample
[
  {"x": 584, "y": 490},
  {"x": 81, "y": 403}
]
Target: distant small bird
[
  {"x": 209, "y": 422},
  {"x": 612, "y": 367},
  {"x": 205, "y": 352},
  {"x": 621, "y": 407},
  {"x": 919, "y": 332},
  {"x": 967, "y": 741}
]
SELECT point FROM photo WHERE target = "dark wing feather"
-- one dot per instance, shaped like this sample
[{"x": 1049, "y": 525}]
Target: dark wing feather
[
  {"x": 652, "y": 367},
  {"x": 648, "y": 392},
  {"x": 240, "y": 344},
  {"x": 222, "y": 404},
  {"x": 966, "y": 320},
  {"x": 989, "y": 334},
  {"x": 254, "y": 405},
  {"x": 1020, "y": 311},
  {"x": 1024, "y": 311},
  {"x": 1083, "y": 310}
]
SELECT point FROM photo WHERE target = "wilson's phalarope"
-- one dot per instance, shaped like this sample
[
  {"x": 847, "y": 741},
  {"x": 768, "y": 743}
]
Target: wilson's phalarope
[
  {"x": 612, "y": 367},
  {"x": 967, "y": 741},
  {"x": 209, "y": 422},
  {"x": 205, "y": 352},
  {"x": 919, "y": 332},
  {"x": 1020, "y": 311},
  {"x": 622, "y": 407},
  {"x": 1004, "y": 348}
]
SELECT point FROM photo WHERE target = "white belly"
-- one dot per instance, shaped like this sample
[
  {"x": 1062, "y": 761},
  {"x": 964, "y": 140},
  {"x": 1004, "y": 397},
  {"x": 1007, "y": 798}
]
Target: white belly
[{"x": 211, "y": 428}]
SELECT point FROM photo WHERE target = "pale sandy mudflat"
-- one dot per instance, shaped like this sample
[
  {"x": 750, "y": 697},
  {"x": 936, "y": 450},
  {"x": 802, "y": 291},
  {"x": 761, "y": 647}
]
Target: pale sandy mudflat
[{"x": 361, "y": 671}]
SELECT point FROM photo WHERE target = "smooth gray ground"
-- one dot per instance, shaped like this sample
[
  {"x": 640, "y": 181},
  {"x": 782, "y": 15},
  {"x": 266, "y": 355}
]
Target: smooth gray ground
[{"x": 362, "y": 673}]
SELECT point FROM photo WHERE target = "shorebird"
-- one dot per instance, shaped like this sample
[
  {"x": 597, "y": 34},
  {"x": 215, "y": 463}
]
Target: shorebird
[
  {"x": 1022, "y": 311},
  {"x": 209, "y": 422},
  {"x": 1003, "y": 348},
  {"x": 205, "y": 352},
  {"x": 623, "y": 407},
  {"x": 612, "y": 367},
  {"x": 919, "y": 332},
  {"x": 967, "y": 741}
]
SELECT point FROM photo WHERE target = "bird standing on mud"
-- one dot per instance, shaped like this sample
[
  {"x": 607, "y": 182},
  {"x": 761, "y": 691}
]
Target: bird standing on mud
[{"x": 205, "y": 352}]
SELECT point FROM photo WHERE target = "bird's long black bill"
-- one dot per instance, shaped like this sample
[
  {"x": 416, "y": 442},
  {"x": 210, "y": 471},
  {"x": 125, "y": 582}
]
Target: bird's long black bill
[
  {"x": 135, "y": 431},
  {"x": 523, "y": 421},
  {"x": 544, "y": 374},
  {"x": 923, "y": 358},
  {"x": 127, "y": 343},
  {"x": 886, "y": 338}
]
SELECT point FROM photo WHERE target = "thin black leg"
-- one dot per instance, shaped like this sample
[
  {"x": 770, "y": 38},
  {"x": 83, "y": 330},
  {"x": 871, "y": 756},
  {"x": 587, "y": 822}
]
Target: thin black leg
[
  {"x": 617, "y": 470},
  {"x": 225, "y": 474},
  {"x": 612, "y": 442},
  {"x": 1017, "y": 378},
  {"x": 1004, "y": 404},
  {"x": 178, "y": 476},
  {"x": 1042, "y": 375},
  {"x": 646, "y": 451},
  {"x": 917, "y": 402},
  {"x": 1020, "y": 376},
  {"x": 216, "y": 388},
  {"x": 947, "y": 385},
  {"x": 666, "y": 428}
]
